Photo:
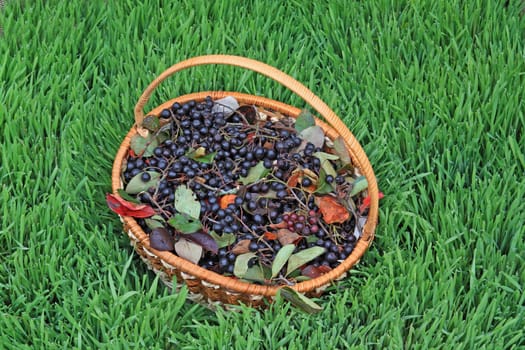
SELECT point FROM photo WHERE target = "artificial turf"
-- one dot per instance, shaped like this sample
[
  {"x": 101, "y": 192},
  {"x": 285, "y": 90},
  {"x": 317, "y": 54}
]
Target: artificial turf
[{"x": 433, "y": 90}]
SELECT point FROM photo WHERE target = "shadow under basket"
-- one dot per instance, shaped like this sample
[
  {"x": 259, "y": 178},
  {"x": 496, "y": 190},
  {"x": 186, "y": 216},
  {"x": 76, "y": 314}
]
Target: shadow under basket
[{"x": 207, "y": 286}]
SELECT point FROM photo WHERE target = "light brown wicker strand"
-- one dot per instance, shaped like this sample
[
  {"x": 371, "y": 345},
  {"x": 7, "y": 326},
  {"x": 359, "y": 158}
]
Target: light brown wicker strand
[
  {"x": 296, "y": 87},
  {"x": 356, "y": 152}
]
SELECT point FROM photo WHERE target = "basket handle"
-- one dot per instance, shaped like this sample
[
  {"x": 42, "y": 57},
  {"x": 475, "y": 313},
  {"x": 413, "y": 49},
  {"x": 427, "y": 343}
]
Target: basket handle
[{"x": 294, "y": 86}]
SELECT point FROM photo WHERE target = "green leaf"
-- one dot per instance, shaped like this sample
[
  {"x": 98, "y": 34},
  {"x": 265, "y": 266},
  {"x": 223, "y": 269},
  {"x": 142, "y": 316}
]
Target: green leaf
[
  {"x": 207, "y": 158},
  {"x": 144, "y": 146},
  {"x": 360, "y": 184},
  {"x": 323, "y": 187},
  {"x": 304, "y": 120},
  {"x": 136, "y": 185},
  {"x": 151, "y": 123},
  {"x": 196, "y": 153},
  {"x": 223, "y": 240},
  {"x": 254, "y": 174},
  {"x": 299, "y": 300},
  {"x": 302, "y": 278},
  {"x": 153, "y": 224},
  {"x": 162, "y": 136},
  {"x": 185, "y": 224},
  {"x": 127, "y": 197},
  {"x": 241, "y": 264},
  {"x": 151, "y": 147},
  {"x": 188, "y": 250},
  {"x": 138, "y": 143},
  {"x": 223, "y": 192},
  {"x": 324, "y": 156},
  {"x": 200, "y": 155},
  {"x": 341, "y": 150},
  {"x": 227, "y": 105},
  {"x": 304, "y": 256},
  {"x": 255, "y": 273},
  {"x": 281, "y": 258},
  {"x": 185, "y": 202},
  {"x": 313, "y": 134},
  {"x": 325, "y": 159}
]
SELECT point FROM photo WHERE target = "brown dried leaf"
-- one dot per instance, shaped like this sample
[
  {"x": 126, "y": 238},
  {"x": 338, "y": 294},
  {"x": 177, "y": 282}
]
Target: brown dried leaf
[
  {"x": 286, "y": 236},
  {"x": 282, "y": 224},
  {"x": 199, "y": 179},
  {"x": 313, "y": 176},
  {"x": 241, "y": 247},
  {"x": 293, "y": 180},
  {"x": 226, "y": 200},
  {"x": 268, "y": 145},
  {"x": 331, "y": 210},
  {"x": 249, "y": 112}
]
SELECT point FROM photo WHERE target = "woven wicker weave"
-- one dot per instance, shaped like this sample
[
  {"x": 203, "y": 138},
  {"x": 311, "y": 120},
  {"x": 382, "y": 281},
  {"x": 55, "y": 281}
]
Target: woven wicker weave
[{"x": 207, "y": 286}]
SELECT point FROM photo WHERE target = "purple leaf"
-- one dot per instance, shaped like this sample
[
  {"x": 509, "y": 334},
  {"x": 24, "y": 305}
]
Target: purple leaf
[
  {"x": 161, "y": 239},
  {"x": 204, "y": 240}
]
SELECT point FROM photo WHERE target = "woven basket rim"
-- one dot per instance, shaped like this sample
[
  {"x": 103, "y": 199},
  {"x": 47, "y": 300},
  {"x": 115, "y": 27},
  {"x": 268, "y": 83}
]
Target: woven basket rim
[{"x": 227, "y": 282}]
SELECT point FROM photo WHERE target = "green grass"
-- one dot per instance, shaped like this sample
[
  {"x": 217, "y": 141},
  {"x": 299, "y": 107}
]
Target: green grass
[{"x": 433, "y": 90}]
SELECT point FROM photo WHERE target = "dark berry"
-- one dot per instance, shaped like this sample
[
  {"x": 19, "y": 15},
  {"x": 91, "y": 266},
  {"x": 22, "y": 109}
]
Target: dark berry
[
  {"x": 281, "y": 194},
  {"x": 165, "y": 114},
  {"x": 259, "y": 153},
  {"x": 253, "y": 246},
  {"x": 306, "y": 182},
  {"x": 268, "y": 163},
  {"x": 223, "y": 262},
  {"x": 331, "y": 257},
  {"x": 145, "y": 177},
  {"x": 258, "y": 219},
  {"x": 348, "y": 249}
]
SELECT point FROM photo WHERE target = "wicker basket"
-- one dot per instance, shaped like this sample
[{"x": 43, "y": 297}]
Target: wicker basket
[{"x": 209, "y": 287}]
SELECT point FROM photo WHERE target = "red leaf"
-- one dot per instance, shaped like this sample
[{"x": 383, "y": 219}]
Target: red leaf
[
  {"x": 131, "y": 153},
  {"x": 332, "y": 210},
  {"x": 250, "y": 136},
  {"x": 324, "y": 268},
  {"x": 125, "y": 208},
  {"x": 294, "y": 179},
  {"x": 366, "y": 202},
  {"x": 226, "y": 200},
  {"x": 314, "y": 272},
  {"x": 270, "y": 236}
]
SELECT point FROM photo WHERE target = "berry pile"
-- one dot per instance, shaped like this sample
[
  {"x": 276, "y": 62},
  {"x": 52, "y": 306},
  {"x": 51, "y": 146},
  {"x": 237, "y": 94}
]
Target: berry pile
[{"x": 243, "y": 192}]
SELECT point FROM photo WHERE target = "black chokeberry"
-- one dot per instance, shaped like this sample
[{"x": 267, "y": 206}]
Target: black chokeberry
[
  {"x": 331, "y": 257},
  {"x": 306, "y": 182},
  {"x": 165, "y": 114},
  {"x": 253, "y": 246},
  {"x": 145, "y": 177},
  {"x": 223, "y": 262}
]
